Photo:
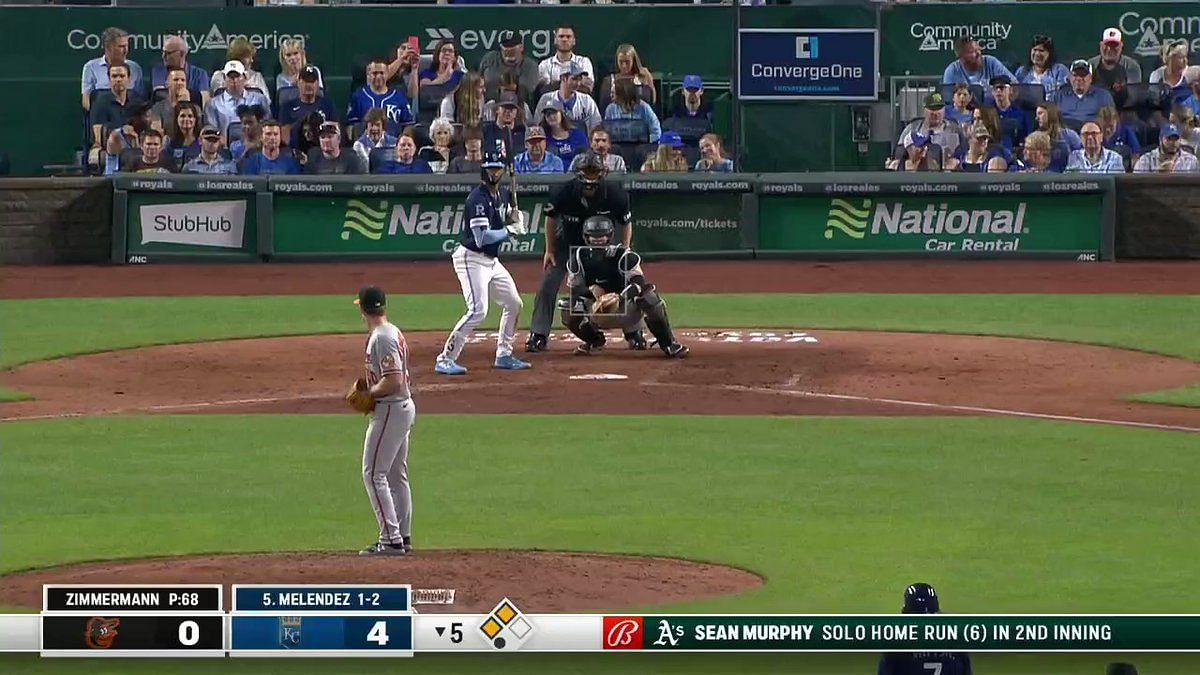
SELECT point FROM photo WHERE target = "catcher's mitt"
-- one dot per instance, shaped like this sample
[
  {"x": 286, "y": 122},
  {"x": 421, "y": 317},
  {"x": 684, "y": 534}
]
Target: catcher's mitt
[
  {"x": 359, "y": 398},
  {"x": 609, "y": 303}
]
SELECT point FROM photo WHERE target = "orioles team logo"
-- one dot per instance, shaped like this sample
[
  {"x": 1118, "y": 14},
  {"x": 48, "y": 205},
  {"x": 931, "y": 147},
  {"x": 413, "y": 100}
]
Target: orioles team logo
[{"x": 101, "y": 632}]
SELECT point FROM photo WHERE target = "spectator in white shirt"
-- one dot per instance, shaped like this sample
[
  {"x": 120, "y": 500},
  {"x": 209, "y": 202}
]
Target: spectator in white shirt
[
  {"x": 221, "y": 111},
  {"x": 1094, "y": 157},
  {"x": 1169, "y": 156},
  {"x": 241, "y": 50},
  {"x": 1175, "y": 71},
  {"x": 576, "y": 105},
  {"x": 551, "y": 68}
]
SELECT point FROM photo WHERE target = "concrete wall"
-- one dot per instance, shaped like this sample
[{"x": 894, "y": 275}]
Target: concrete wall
[{"x": 55, "y": 221}]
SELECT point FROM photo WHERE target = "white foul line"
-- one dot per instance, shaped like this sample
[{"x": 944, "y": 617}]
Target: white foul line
[
  {"x": 934, "y": 406},
  {"x": 228, "y": 402}
]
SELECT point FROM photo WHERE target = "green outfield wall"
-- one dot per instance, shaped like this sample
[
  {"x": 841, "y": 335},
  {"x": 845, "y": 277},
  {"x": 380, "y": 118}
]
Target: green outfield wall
[{"x": 879, "y": 215}]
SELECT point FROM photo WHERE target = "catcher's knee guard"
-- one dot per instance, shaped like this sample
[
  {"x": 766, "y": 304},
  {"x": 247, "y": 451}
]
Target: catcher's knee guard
[
  {"x": 576, "y": 320},
  {"x": 654, "y": 309}
]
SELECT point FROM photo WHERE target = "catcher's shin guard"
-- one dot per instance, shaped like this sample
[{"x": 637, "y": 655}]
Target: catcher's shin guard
[
  {"x": 579, "y": 324},
  {"x": 654, "y": 309}
]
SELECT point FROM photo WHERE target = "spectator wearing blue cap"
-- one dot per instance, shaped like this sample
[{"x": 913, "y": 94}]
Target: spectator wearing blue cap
[
  {"x": 691, "y": 117},
  {"x": 712, "y": 155},
  {"x": 627, "y": 106},
  {"x": 1083, "y": 101},
  {"x": 668, "y": 157},
  {"x": 1094, "y": 157},
  {"x": 1014, "y": 123},
  {"x": 535, "y": 159},
  {"x": 1169, "y": 156},
  {"x": 972, "y": 66},
  {"x": 577, "y": 105},
  {"x": 916, "y": 155}
]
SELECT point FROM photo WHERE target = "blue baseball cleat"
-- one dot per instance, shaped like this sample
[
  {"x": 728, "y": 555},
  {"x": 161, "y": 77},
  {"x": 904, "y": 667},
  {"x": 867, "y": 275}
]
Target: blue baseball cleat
[
  {"x": 449, "y": 368},
  {"x": 511, "y": 362}
]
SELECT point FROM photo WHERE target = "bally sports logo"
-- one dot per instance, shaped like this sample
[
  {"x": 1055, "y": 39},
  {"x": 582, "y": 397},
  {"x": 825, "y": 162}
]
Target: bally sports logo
[{"x": 623, "y": 632}]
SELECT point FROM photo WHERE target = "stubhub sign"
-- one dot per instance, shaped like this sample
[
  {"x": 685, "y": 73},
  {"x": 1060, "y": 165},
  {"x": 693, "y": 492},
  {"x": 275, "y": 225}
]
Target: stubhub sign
[
  {"x": 791, "y": 64},
  {"x": 207, "y": 223}
]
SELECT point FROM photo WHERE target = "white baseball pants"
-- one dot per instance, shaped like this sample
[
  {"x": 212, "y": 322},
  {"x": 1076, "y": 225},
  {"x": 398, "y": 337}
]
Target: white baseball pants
[
  {"x": 483, "y": 277},
  {"x": 385, "y": 468}
]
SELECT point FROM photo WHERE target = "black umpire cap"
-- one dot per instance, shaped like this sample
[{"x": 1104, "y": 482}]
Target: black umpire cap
[
  {"x": 371, "y": 298},
  {"x": 920, "y": 599}
]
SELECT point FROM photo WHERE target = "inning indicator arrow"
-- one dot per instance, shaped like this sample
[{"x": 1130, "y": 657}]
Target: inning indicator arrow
[{"x": 440, "y": 630}]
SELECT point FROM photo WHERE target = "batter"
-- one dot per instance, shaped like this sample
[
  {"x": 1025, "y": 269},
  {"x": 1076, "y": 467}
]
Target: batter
[
  {"x": 385, "y": 448},
  {"x": 491, "y": 218}
]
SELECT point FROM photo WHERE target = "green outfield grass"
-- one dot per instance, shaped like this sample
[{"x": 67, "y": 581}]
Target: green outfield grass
[
  {"x": 1162, "y": 324},
  {"x": 8, "y": 395},
  {"x": 838, "y": 514},
  {"x": 1183, "y": 396}
]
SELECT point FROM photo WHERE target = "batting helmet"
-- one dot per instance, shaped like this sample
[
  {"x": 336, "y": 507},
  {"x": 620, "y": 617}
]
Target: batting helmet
[
  {"x": 491, "y": 160},
  {"x": 920, "y": 599}
]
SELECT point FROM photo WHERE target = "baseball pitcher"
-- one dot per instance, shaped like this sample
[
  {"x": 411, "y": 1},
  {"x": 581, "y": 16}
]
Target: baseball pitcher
[
  {"x": 608, "y": 290},
  {"x": 492, "y": 217},
  {"x": 383, "y": 393}
]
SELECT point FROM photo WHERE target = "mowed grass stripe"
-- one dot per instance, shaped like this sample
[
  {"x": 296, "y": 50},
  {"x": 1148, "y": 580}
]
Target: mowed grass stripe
[
  {"x": 836, "y": 513},
  {"x": 35, "y": 329}
]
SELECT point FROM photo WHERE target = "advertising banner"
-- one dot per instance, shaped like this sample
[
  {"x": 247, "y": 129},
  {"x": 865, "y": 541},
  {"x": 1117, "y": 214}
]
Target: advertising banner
[
  {"x": 943, "y": 226},
  {"x": 797, "y": 64},
  {"x": 919, "y": 39},
  {"x": 190, "y": 224},
  {"x": 345, "y": 225}
]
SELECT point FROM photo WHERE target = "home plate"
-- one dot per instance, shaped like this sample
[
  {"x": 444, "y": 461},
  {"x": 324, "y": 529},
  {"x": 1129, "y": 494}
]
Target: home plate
[{"x": 599, "y": 376}]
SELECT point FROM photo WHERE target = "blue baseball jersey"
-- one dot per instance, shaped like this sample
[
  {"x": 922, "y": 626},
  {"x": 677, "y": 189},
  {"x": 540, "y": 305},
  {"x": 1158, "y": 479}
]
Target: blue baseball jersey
[
  {"x": 925, "y": 663},
  {"x": 393, "y": 102},
  {"x": 484, "y": 209}
]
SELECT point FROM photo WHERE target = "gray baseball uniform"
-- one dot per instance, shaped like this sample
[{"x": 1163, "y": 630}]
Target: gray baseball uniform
[{"x": 385, "y": 448}]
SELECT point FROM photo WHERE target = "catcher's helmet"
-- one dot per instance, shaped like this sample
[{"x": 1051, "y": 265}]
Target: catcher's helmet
[
  {"x": 491, "y": 160},
  {"x": 920, "y": 599},
  {"x": 598, "y": 227}
]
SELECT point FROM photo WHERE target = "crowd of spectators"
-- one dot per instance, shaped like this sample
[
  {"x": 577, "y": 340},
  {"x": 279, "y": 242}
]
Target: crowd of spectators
[
  {"x": 407, "y": 113},
  {"x": 1095, "y": 115}
]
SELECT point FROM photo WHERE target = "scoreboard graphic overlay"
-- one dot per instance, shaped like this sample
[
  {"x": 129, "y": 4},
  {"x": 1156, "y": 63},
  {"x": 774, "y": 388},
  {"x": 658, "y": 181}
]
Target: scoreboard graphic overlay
[{"x": 329, "y": 620}]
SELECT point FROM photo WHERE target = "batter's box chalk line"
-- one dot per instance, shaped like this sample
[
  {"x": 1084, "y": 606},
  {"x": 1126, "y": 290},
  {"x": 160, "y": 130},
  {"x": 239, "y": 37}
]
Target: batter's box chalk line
[{"x": 720, "y": 336}]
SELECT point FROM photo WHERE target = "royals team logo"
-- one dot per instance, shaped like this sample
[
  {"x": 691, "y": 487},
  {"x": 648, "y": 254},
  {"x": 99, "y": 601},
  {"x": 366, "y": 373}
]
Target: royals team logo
[
  {"x": 289, "y": 632},
  {"x": 101, "y": 632},
  {"x": 623, "y": 632}
]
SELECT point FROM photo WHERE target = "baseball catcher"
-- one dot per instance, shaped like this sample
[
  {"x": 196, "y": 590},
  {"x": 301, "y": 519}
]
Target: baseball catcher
[{"x": 608, "y": 290}]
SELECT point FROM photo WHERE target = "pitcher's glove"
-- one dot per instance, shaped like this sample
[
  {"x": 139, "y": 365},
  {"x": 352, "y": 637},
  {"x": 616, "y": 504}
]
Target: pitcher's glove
[{"x": 360, "y": 398}]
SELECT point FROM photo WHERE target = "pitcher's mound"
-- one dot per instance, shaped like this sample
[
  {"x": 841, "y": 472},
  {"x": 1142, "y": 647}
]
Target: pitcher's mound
[{"x": 536, "y": 581}]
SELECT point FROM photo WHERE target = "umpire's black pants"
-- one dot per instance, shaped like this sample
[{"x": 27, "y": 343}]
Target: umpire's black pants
[{"x": 547, "y": 295}]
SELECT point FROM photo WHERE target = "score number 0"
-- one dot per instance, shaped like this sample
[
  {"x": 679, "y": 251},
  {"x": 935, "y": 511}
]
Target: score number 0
[{"x": 189, "y": 633}]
